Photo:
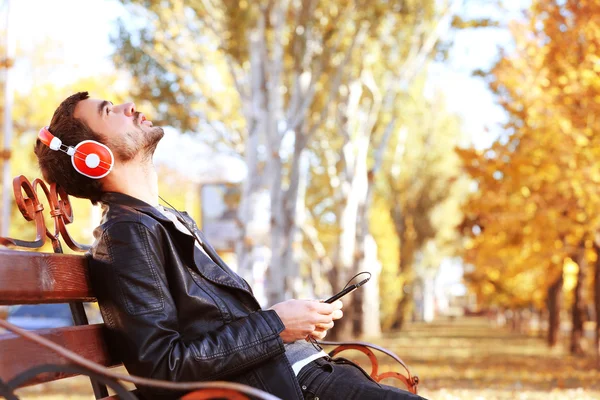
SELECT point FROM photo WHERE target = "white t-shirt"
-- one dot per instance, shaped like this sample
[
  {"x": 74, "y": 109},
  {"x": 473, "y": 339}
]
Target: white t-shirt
[{"x": 180, "y": 227}]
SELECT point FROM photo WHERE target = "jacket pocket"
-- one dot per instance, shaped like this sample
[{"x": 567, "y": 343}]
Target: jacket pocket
[{"x": 135, "y": 272}]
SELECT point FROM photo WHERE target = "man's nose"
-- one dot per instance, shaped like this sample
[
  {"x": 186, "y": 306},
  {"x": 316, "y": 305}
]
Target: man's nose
[{"x": 128, "y": 109}]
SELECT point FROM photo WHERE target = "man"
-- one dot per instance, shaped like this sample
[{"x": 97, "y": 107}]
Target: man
[{"x": 175, "y": 309}]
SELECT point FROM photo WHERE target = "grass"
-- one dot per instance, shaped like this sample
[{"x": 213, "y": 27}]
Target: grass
[{"x": 467, "y": 358}]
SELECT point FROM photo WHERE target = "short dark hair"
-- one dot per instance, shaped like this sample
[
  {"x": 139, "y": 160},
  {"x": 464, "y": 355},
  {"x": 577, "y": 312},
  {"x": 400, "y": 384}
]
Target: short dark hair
[{"x": 56, "y": 166}]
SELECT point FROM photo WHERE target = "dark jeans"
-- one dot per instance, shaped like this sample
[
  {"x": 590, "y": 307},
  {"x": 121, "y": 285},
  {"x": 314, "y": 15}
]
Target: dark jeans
[{"x": 340, "y": 379}]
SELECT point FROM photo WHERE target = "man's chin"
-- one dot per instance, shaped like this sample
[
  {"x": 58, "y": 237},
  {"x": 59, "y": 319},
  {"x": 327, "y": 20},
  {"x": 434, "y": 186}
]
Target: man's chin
[
  {"x": 156, "y": 132},
  {"x": 153, "y": 136}
]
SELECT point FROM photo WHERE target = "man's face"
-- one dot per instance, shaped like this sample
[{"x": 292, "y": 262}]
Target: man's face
[{"x": 125, "y": 131}]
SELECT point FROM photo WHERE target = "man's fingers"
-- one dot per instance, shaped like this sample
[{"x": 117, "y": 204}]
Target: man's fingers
[
  {"x": 322, "y": 308},
  {"x": 326, "y": 308},
  {"x": 323, "y": 319},
  {"x": 337, "y": 305},
  {"x": 337, "y": 314},
  {"x": 324, "y": 327},
  {"x": 319, "y": 335}
]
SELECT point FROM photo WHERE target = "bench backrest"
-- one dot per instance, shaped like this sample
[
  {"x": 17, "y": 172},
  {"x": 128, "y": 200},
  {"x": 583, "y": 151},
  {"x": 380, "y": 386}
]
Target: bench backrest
[
  {"x": 42, "y": 278},
  {"x": 29, "y": 277}
]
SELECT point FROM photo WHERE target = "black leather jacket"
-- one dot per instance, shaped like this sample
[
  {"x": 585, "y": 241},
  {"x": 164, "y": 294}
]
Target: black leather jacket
[{"x": 175, "y": 314}]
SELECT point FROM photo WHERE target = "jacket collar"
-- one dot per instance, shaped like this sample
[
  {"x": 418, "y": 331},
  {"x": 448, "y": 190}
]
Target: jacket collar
[
  {"x": 126, "y": 200},
  {"x": 230, "y": 279}
]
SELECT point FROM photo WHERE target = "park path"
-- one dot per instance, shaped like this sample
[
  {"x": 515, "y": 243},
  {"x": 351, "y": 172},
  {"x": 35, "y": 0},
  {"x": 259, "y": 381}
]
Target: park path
[{"x": 471, "y": 358}]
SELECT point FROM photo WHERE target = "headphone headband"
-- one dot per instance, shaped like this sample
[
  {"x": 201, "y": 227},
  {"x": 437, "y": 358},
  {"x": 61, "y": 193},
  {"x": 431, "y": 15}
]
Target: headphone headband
[
  {"x": 90, "y": 158},
  {"x": 49, "y": 139}
]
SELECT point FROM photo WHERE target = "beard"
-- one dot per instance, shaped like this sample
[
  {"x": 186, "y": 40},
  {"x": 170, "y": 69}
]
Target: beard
[
  {"x": 139, "y": 142},
  {"x": 150, "y": 141}
]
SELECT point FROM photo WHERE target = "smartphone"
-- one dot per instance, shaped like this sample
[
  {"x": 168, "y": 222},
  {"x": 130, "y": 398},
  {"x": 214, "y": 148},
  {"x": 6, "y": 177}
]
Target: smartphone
[{"x": 347, "y": 290}]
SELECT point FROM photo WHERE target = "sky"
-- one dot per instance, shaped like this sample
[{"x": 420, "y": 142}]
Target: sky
[
  {"x": 475, "y": 49},
  {"x": 75, "y": 31}
]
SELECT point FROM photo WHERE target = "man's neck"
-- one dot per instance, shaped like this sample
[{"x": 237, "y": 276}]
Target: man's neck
[{"x": 137, "y": 180}]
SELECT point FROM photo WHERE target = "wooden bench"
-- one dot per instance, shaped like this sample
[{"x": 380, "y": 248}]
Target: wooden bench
[{"x": 33, "y": 357}]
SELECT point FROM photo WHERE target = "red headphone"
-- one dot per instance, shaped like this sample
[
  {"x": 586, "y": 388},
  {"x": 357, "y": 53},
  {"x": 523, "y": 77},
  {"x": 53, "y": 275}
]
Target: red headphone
[{"x": 89, "y": 157}]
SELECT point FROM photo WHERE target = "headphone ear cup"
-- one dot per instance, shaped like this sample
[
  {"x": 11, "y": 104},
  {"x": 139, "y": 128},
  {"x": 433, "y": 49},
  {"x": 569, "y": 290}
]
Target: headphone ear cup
[{"x": 92, "y": 159}]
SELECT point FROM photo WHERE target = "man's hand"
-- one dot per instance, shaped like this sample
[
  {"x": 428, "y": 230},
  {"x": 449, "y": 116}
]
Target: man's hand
[{"x": 303, "y": 318}]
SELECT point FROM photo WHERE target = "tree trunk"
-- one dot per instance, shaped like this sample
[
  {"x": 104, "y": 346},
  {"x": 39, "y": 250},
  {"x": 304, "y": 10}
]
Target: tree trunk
[
  {"x": 554, "y": 302},
  {"x": 404, "y": 309},
  {"x": 405, "y": 268},
  {"x": 578, "y": 309},
  {"x": 370, "y": 318},
  {"x": 514, "y": 320},
  {"x": 252, "y": 187},
  {"x": 344, "y": 267},
  {"x": 293, "y": 215},
  {"x": 281, "y": 231},
  {"x": 360, "y": 188},
  {"x": 368, "y": 295},
  {"x": 597, "y": 300},
  {"x": 428, "y": 299},
  {"x": 347, "y": 246},
  {"x": 541, "y": 318}
]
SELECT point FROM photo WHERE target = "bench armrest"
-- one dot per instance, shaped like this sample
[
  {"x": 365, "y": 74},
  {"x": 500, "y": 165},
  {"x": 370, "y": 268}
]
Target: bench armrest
[{"x": 410, "y": 381}]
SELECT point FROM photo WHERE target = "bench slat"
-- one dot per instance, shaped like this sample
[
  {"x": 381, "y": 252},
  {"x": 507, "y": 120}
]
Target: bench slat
[
  {"x": 34, "y": 278},
  {"x": 18, "y": 354}
]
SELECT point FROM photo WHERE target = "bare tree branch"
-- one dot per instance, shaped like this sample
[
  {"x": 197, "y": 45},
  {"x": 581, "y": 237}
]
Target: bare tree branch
[
  {"x": 218, "y": 33},
  {"x": 337, "y": 80},
  {"x": 415, "y": 63},
  {"x": 379, "y": 152},
  {"x": 312, "y": 235},
  {"x": 298, "y": 111}
]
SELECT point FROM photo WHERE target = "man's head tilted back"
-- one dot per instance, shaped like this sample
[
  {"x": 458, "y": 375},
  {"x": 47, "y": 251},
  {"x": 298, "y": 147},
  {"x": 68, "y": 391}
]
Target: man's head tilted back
[{"x": 124, "y": 130}]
